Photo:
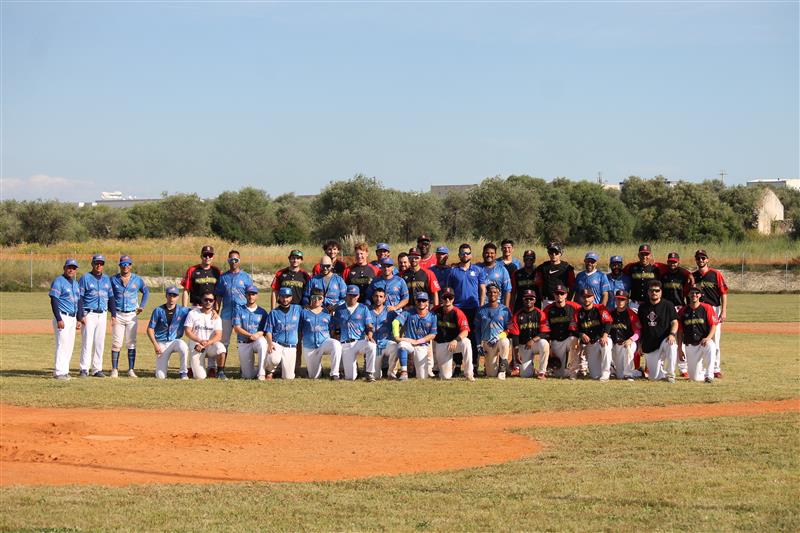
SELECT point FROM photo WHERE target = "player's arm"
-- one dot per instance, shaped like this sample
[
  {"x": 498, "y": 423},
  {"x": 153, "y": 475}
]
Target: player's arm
[
  {"x": 723, "y": 311},
  {"x": 673, "y": 331},
  {"x": 481, "y": 294},
  {"x": 186, "y": 283}
]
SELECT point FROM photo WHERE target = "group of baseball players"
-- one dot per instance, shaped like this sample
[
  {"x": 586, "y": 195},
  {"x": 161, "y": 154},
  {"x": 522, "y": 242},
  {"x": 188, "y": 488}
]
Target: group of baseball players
[{"x": 422, "y": 315}]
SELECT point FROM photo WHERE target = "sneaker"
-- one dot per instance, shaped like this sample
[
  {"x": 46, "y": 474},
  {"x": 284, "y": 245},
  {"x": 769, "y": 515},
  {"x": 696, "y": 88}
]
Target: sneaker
[
  {"x": 709, "y": 380},
  {"x": 717, "y": 375},
  {"x": 269, "y": 377},
  {"x": 370, "y": 378},
  {"x": 261, "y": 377},
  {"x": 403, "y": 375},
  {"x": 501, "y": 375},
  {"x": 685, "y": 375},
  {"x": 131, "y": 374},
  {"x": 670, "y": 379},
  {"x": 541, "y": 375},
  {"x": 114, "y": 373},
  {"x": 221, "y": 375},
  {"x": 62, "y": 377},
  {"x": 335, "y": 377},
  {"x": 98, "y": 374},
  {"x": 183, "y": 375},
  {"x": 629, "y": 378},
  {"x": 84, "y": 374},
  {"x": 515, "y": 372},
  {"x": 573, "y": 377},
  {"x": 457, "y": 372},
  {"x": 212, "y": 373},
  {"x": 470, "y": 378}
]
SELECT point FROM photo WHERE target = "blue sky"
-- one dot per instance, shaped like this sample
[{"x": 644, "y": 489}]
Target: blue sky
[{"x": 207, "y": 97}]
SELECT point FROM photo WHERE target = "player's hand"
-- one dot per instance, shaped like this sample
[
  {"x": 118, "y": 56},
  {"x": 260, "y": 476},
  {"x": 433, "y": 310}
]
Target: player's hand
[
  {"x": 603, "y": 340},
  {"x": 82, "y": 321},
  {"x": 139, "y": 310},
  {"x": 77, "y": 325},
  {"x": 671, "y": 339},
  {"x": 703, "y": 342},
  {"x": 530, "y": 343},
  {"x": 453, "y": 346},
  {"x": 627, "y": 343},
  {"x": 723, "y": 316},
  {"x": 585, "y": 338},
  {"x": 158, "y": 350},
  {"x": 113, "y": 321},
  {"x": 270, "y": 347},
  {"x": 60, "y": 324}
]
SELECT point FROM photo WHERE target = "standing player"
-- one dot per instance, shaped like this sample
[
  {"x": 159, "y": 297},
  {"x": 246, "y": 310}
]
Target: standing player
[
  {"x": 420, "y": 280},
  {"x": 315, "y": 325},
  {"x": 361, "y": 273},
  {"x": 592, "y": 279},
  {"x": 249, "y": 323},
  {"x": 468, "y": 284},
  {"x": 562, "y": 319},
  {"x": 419, "y": 328},
  {"x": 165, "y": 329},
  {"x": 332, "y": 285},
  {"x": 642, "y": 272},
  {"x": 659, "y": 334},
  {"x": 509, "y": 261},
  {"x": 200, "y": 278},
  {"x": 553, "y": 272},
  {"x": 594, "y": 326},
  {"x": 231, "y": 292},
  {"x": 282, "y": 332},
  {"x": 625, "y": 330},
  {"x": 676, "y": 282},
  {"x": 292, "y": 276},
  {"x": 452, "y": 332},
  {"x": 332, "y": 249},
  {"x": 617, "y": 279},
  {"x": 427, "y": 259},
  {"x": 523, "y": 280},
  {"x": 126, "y": 287},
  {"x": 385, "y": 346},
  {"x": 403, "y": 263},
  {"x": 529, "y": 326},
  {"x": 442, "y": 267},
  {"x": 352, "y": 322},
  {"x": 381, "y": 250},
  {"x": 494, "y": 272},
  {"x": 204, "y": 329},
  {"x": 698, "y": 322},
  {"x": 97, "y": 299},
  {"x": 715, "y": 294},
  {"x": 491, "y": 324},
  {"x": 65, "y": 293},
  {"x": 393, "y": 286}
]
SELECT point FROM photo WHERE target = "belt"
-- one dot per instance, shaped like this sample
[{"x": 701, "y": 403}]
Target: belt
[
  {"x": 69, "y": 314},
  {"x": 94, "y": 311},
  {"x": 128, "y": 311},
  {"x": 246, "y": 342},
  {"x": 287, "y": 345},
  {"x": 693, "y": 343}
]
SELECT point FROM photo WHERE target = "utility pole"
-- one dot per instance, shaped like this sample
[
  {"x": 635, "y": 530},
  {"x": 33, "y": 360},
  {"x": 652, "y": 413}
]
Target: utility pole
[
  {"x": 600, "y": 178},
  {"x": 722, "y": 175}
]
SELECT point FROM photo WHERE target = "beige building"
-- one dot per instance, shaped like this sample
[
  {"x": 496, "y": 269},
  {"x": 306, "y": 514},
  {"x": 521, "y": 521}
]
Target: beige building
[{"x": 770, "y": 210}]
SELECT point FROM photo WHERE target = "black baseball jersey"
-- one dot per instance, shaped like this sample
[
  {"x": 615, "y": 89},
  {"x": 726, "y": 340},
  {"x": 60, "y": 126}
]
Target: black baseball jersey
[
  {"x": 594, "y": 322},
  {"x": 523, "y": 280},
  {"x": 562, "y": 321},
  {"x": 641, "y": 275},
  {"x": 624, "y": 325},
  {"x": 294, "y": 280},
  {"x": 655, "y": 321},
  {"x": 712, "y": 284},
  {"x": 420, "y": 281},
  {"x": 362, "y": 276},
  {"x": 449, "y": 324},
  {"x": 549, "y": 275},
  {"x": 199, "y": 280},
  {"x": 696, "y": 323},
  {"x": 676, "y": 284},
  {"x": 529, "y": 324}
]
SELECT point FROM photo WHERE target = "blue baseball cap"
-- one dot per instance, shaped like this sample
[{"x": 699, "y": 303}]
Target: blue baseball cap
[
  {"x": 382, "y": 246},
  {"x": 98, "y": 258},
  {"x": 353, "y": 290},
  {"x": 251, "y": 289},
  {"x": 615, "y": 259},
  {"x": 442, "y": 250},
  {"x": 173, "y": 290},
  {"x": 421, "y": 296},
  {"x": 285, "y": 291},
  {"x": 591, "y": 256},
  {"x": 70, "y": 263},
  {"x": 387, "y": 261},
  {"x": 125, "y": 260}
]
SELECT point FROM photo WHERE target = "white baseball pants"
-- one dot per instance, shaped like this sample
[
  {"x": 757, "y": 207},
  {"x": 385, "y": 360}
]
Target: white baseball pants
[
  {"x": 444, "y": 357},
  {"x": 700, "y": 360},
  {"x": 599, "y": 359},
  {"x": 93, "y": 341},
  {"x": 567, "y": 353},
  {"x": 717, "y": 336},
  {"x": 493, "y": 354},
  {"x": 420, "y": 355},
  {"x": 252, "y": 354},
  {"x": 622, "y": 359},
  {"x": 162, "y": 360},
  {"x": 227, "y": 330},
  {"x": 389, "y": 352},
  {"x": 286, "y": 356},
  {"x": 350, "y": 351},
  {"x": 65, "y": 343},
  {"x": 526, "y": 355},
  {"x": 313, "y": 357},
  {"x": 123, "y": 333},
  {"x": 196, "y": 358},
  {"x": 661, "y": 362}
]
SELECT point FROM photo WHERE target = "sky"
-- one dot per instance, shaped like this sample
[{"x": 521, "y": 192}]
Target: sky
[{"x": 203, "y": 97}]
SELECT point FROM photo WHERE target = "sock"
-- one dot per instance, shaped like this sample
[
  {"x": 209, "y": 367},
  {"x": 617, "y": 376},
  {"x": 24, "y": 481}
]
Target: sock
[
  {"x": 131, "y": 357},
  {"x": 403, "y": 356},
  {"x": 458, "y": 359},
  {"x": 114, "y": 360}
]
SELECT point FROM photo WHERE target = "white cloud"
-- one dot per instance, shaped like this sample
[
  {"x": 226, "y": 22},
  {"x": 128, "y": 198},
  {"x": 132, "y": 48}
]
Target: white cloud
[{"x": 47, "y": 187}]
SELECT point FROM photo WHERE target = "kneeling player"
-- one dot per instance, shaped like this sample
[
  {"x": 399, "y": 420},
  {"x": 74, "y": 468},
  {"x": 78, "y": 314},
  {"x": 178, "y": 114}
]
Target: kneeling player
[
  {"x": 204, "y": 329},
  {"x": 249, "y": 322},
  {"x": 529, "y": 325},
  {"x": 659, "y": 334},
  {"x": 625, "y": 331},
  {"x": 562, "y": 321},
  {"x": 317, "y": 341},
  {"x": 594, "y": 326},
  {"x": 165, "y": 331},
  {"x": 419, "y": 328},
  {"x": 699, "y": 322},
  {"x": 452, "y": 336},
  {"x": 491, "y": 324}
]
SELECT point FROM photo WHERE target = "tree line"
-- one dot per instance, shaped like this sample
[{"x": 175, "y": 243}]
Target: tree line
[{"x": 521, "y": 207}]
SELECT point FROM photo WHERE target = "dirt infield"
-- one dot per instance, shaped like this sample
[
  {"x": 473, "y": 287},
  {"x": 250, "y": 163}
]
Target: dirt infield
[{"x": 128, "y": 446}]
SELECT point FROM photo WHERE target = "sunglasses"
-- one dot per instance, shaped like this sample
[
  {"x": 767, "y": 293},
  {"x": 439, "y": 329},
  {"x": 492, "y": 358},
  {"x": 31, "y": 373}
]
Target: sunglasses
[
  {"x": 654, "y": 290},
  {"x": 464, "y": 253},
  {"x": 208, "y": 300},
  {"x": 233, "y": 260},
  {"x": 172, "y": 295},
  {"x": 531, "y": 298},
  {"x": 325, "y": 266},
  {"x": 448, "y": 297},
  {"x": 316, "y": 297},
  {"x": 207, "y": 255}
]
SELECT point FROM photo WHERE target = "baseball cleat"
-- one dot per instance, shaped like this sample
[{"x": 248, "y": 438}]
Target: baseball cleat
[
  {"x": 717, "y": 375},
  {"x": 709, "y": 380},
  {"x": 501, "y": 375},
  {"x": 62, "y": 377},
  {"x": 629, "y": 378},
  {"x": 470, "y": 377},
  {"x": 221, "y": 375},
  {"x": 685, "y": 375},
  {"x": 99, "y": 374},
  {"x": 670, "y": 379},
  {"x": 515, "y": 372},
  {"x": 183, "y": 375},
  {"x": 370, "y": 378},
  {"x": 132, "y": 374},
  {"x": 261, "y": 377},
  {"x": 84, "y": 374},
  {"x": 541, "y": 375},
  {"x": 114, "y": 373},
  {"x": 269, "y": 377},
  {"x": 335, "y": 377},
  {"x": 403, "y": 376},
  {"x": 212, "y": 372}
]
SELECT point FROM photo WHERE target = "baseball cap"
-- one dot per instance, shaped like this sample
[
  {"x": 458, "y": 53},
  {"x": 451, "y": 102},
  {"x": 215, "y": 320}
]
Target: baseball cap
[
  {"x": 207, "y": 249},
  {"x": 325, "y": 260},
  {"x": 423, "y": 238},
  {"x": 70, "y": 263},
  {"x": 587, "y": 291},
  {"x": 285, "y": 291},
  {"x": 251, "y": 289},
  {"x": 696, "y": 289},
  {"x": 492, "y": 285},
  {"x": 529, "y": 254},
  {"x": 421, "y": 296},
  {"x": 317, "y": 293},
  {"x": 98, "y": 258},
  {"x": 387, "y": 261},
  {"x": 382, "y": 246},
  {"x": 644, "y": 249},
  {"x": 353, "y": 290},
  {"x": 414, "y": 253},
  {"x": 443, "y": 250},
  {"x": 173, "y": 290},
  {"x": 560, "y": 289},
  {"x": 701, "y": 253},
  {"x": 620, "y": 294},
  {"x": 125, "y": 260},
  {"x": 653, "y": 283},
  {"x": 554, "y": 247},
  {"x": 615, "y": 259},
  {"x": 447, "y": 291},
  {"x": 673, "y": 257},
  {"x": 591, "y": 256},
  {"x": 296, "y": 253},
  {"x": 528, "y": 293}
]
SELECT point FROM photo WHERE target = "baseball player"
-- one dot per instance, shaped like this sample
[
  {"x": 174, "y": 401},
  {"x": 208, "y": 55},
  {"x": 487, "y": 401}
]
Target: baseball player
[
  {"x": 562, "y": 319},
  {"x": 523, "y": 279},
  {"x": 418, "y": 330},
  {"x": 594, "y": 326},
  {"x": 427, "y": 259},
  {"x": 393, "y": 286},
  {"x": 715, "y": 294},
  {"x": 332, "y": 249},
  {"x": 249, "y": 323},
  {"x": 165, "y": 329},
  {"x": 509, "y": 261},
  {"x": 352, "y": 322},
  {"x": 200, "y": 278},
  {"x": 282, "y": 332},
  {"x": 420, "y": 280},
  {"x": 676, "y": 282},
  {"x": 203, "y": 327},
  {"x": 361, "y": 273},
  {"x": 332, "y": 285},
  {"x": 494, "y": 272},
  {"x": 529, "y": 325},
  {"x": 698, "y": 321},
  {"x": 617, "y": 279},
  {"x": 659, "y": 334},
  {"x": 126, "y": 287},
  {"x": 65, "y": 295},
  {"x": 641, "y": 273},
  {"x": 442, "y": 267},
  {"x": 403, "y": 263},
  {"x": 292, "y": 276},
  {"x": 230, "y": 292},
  {"x": 491, "y": 324},
  {"x": 468, "y": 283},
  {"x": 593, "y": 279},
  {"x": 452, "y": 336},
  {"x": 625, "y": 330},
  {"x": 381, "y": 250},
  {"x": 97, "y": 299},
  {"x": 386, "y": 347},
  {"x": 553, "y": 272},
  {"x": 315, "y": 325}
]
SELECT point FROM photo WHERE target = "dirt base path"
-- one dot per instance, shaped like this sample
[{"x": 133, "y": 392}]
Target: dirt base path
[{"x": 128, "y": 446}]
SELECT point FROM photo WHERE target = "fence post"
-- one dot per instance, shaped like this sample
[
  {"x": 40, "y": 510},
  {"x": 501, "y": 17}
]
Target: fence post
[
  {"x": 741, "y": 288},
  {"x": 163, "y": 276},
  {"x": 31, "y": 270},
  {"x": 786, "y": 272}
]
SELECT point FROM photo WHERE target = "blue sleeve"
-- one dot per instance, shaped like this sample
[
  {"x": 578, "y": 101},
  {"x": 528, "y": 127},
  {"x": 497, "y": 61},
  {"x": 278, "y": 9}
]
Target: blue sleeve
[
  {"x": 402, "y": 317},
  {"x": 506, "y": 281},
  {"x": 219, "y": 288},
  {"x": 112, "y": 305},
  {"x": 268, "y": 324},
  {"x": 145, "y": 294},
  {"x": 54, "y": 307},
  {"x": 237, "y": 318},
  {"x": 342, "y": 289},
  {"x": 307, "y": 293},
  {"x": 403, "y": 290},
  {"x": 153, "y": 319},
  {"x": 434, "y": 324},
  {"x": 605, "y": 285},
  {"x": 369, "y": 320},
  {"x": 481, "y": 276},
  {"x": 262, "y": 324}
]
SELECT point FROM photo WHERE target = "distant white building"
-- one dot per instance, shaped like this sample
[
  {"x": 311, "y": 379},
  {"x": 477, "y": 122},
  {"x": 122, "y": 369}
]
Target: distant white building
[
  {"x": 778, "y": 183},
  {"x": 770, "y": 210}
]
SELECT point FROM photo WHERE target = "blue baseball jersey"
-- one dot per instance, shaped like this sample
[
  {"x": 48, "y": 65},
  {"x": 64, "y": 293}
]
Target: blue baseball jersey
[
  {"x": 333, "y": 295},
  {"x": 352, "y": 326},
  {"x": 498, "y": 274},
  {"x": 441, "y": 274},
  {"x": 316, "y": 328},
  {"x": 67, "y": 293},
  {"x": 284, "y": 325},
  {"x": 231, "y": 286},
  {"x": 466, "y": 285},
  {"x": 126, "y": 297},
  {"x": 416, "y": 326},
  {"x": 395, "y": 288},
  {"x": 597, "y": 281},
  {"x": 623, "y": 283},
  {"x": 168, "y": 331},
  {"x": 251, "y": 321},
  {"x": 95, "y": 292},
  {"x": 490, "y": 322},
  {"x": 383, "y": 326}
]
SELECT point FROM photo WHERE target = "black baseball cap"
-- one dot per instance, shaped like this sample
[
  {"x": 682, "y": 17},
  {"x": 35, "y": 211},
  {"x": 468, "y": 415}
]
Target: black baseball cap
[
  {"x": 423, "y": 238},
  {"x": 529, "y": 254},
  {"x": 587, "y": 291},
  {"x": 701, "y": 253},
  {"x": 695, "y": 289},
  {"x": 554, "y": 247},
  {"x": 560, "y": 288},
  {"x": 528, "y": 293},
  {"x": 207, "y": 249},
  {"x": 448, "y": 291},
  {"x": 673, "y": 257},
  {"x": 414, "y": 253},
  {"x": 620, "y": 294},
  {"x": 645, "y": 249}
]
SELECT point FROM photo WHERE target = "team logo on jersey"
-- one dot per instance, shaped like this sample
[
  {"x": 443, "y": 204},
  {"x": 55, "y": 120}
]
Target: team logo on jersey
[
  {"x": 652, "y": 319},
  {"x": 472, "y": 273}
]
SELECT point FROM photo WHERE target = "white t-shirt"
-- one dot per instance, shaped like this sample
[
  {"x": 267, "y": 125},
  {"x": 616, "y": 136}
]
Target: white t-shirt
[{"x": 202, "y": 325}]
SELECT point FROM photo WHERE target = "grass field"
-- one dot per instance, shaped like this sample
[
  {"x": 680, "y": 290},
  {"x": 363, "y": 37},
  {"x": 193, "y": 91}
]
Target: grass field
[{"x": 738, "y": 473}]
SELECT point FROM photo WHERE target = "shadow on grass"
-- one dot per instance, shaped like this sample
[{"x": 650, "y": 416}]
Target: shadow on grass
[{"x": 11, "y": 373}]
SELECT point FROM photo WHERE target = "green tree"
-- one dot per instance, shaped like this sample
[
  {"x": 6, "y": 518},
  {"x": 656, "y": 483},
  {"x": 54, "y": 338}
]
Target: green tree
[
  {"x": 247, "y": 216},
  {"x": 557, "y": 215},
  {"x": 360, "y": 205},
  {"x": 744, "y": 203},
  {"x": 184, "y": 214},
  {"x": 143, "y": 220},
  {"x": 102, "y": 221},
  {"x": 293, "y": 220},
  {"x": 10, "y": 226},
  {"x": 420, "y": 212},
  {"x": 601, "y": 216},
  {"x": 454, "y": 218},
  {"x": 498, "y": 209},
  {"x": 45, "y": 222}
]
